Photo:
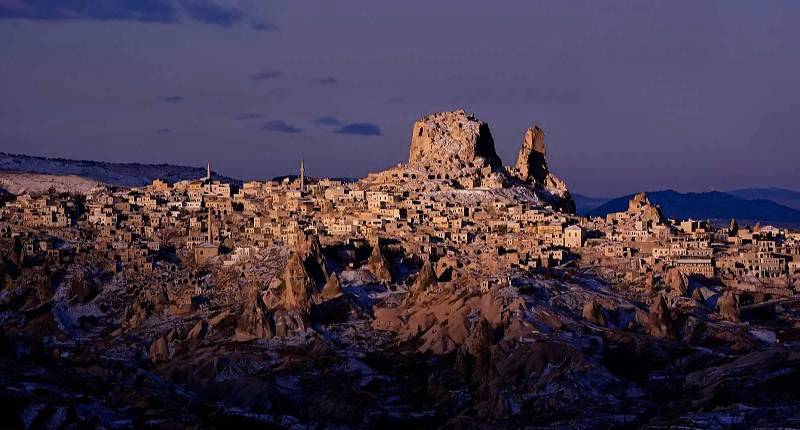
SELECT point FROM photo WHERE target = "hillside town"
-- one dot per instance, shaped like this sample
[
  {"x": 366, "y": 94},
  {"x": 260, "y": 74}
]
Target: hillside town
[
  {"x": 452, "y": 256},
  {"x": 213, "y": 222}
]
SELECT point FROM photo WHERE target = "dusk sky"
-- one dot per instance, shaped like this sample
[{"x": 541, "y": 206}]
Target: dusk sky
[{"x": 632, "y": 96}]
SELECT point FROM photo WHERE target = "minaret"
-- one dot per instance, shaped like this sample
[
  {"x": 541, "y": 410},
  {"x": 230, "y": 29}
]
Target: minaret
[
  {"x": 208, "y": 172},
  {"x": 302, "y": 175},
  {"x": 210, "y": 229}
]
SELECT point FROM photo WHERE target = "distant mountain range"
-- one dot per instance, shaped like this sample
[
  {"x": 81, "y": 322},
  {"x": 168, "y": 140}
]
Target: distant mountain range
[
  {"x": 778, "y": 195},
  {"x": 119, "y": 174},
  {"x": 713, "y": 205},
  {"x": 584, "y": 204}
]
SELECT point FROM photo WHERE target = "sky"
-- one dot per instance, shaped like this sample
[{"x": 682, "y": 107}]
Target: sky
[{"x": 632, "y": 95}]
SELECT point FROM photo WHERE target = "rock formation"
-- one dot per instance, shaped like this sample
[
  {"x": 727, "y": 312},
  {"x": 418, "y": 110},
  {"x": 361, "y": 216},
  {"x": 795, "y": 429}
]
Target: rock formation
[
  {"x": 425, "y": 278},
  {"x": 199, "y": 331},
  {"x": 659, "y": 320},
  {"x": 531, "y": 164},
  {"x": 378, "y": 265},
  {"x": 160, "y": 350},
  {"x": 314, "y": 260},
  {"x": 255, "y": 322},
  {"x": 480, "y": 338},
  {"x": 333, "y": 288},
  {"x": 593, "y": 313},
  {"x": 452, "y": 141},
  {"x": 298, "y": 286},
  {"x": 640, "y": 206},
  {"x": 677, "y": 283},
  {"x": 457, "y": 146},
  {"x": 531, "y": 167},
  {"x": 728, "y": 307}
]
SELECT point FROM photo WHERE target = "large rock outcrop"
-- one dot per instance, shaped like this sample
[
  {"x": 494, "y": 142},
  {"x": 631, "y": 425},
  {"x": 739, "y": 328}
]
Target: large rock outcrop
[
  {"x": 531, "y": 164},
  {"x": 531, "y": 168},
  {"x": 640, "y": 206},
  {"x": 457, "y": 146},
  {"x": 452, "y": 141}
]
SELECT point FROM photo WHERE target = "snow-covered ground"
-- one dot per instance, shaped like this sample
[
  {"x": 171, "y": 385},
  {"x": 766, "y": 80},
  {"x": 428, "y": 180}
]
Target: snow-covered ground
[
  {"x": 19, "y": 183},
  {"x": 119, "y": 174}
]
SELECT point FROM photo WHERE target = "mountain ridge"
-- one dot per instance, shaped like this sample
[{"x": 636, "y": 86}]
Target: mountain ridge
[{"x": 707, "y": 205}]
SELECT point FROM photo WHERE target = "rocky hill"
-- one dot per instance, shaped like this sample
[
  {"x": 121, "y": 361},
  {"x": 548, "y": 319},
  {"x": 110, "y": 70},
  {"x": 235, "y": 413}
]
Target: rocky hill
[
  {"x": 455, "y": 151},
  {"x": 709, "y": 205},
  {"x": 35, "y": 183},
  {"x": 118, "y": 174}
]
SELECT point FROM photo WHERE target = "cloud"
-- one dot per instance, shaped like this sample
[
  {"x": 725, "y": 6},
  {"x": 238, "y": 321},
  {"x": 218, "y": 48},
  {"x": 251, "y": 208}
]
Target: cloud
[
  {"x": 213, "y": 12},
  {"x": 247, "y": 116},
  {"x": 326, "y": 120},
  {"x": 172, "y": 99},
  {"x": 266, "y": 74},
  {"x": 280, "y": 126},
  {"x": 140, "y": 10},
  {"x": 330, "y": 80},
  {"x": 162, "y": 131},
  {"x": 210, "y": 13},
  {"x": 360, "y": 129}
]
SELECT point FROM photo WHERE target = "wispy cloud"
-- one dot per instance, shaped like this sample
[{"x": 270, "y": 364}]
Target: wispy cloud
[
  {"x": 172, "y": 99},
  {"x": 162, "y": 131},
  {"x": 330, "y": 80},
  {"x": 213, "y": 12},
  {"x": 141, "y": 10},
  {"x": 210, "y": 13},
  {"x": 267, "y": 74},
  {"x": 326, "y": 120},
  {"x": 247, "y": 116},
  {"x": 281, "y": 126},
  {"x": 360, "y": 129}
]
